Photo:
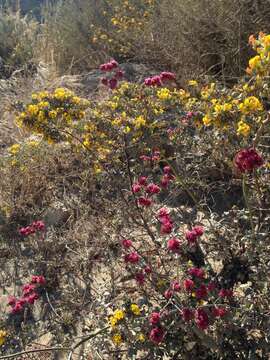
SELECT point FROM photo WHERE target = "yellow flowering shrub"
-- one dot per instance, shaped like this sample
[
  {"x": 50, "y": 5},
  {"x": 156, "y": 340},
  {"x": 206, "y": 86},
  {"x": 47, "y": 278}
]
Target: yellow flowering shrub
[{"x": 53, "y": 114}]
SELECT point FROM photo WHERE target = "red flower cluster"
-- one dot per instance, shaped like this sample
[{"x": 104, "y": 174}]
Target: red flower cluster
[
  {"x": 132, "y": 258},
  {"x": 173, "y": 245},
  {"x": 165, "y": 220},
  {"x": 201, "y": 319},
  {"x": 29, "y": 296},
  {"x": 157, "y": 335},
  {"x": 159, "y": 80},
  {"x": 154, "y": 157},
  {"x": 247, "y": 160},
  {"x": 167, "y": 177},
  {"x": 111, "y": 66},
  {"x": 197, "y": 272},
  {"x": 149, "y": 189},
  {"x": 36, "y": 226},
  {"x": 193, "y": 234}
]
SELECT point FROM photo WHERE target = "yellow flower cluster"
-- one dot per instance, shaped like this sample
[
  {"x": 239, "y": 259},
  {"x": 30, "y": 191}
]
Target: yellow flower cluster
[
  {"x": 260, "y": 63},
  {"x": 164, "y": 94},
  {"x": 3, "y": 335},
  {"x": 243, "y": 128},
  {"x": 250, "y": 105},
  {"x": 50, "y": 114},
  {"x": 117, "y": 339},
  {"x": 135, "y": 309},
  {"x": 117, "y": 316}
]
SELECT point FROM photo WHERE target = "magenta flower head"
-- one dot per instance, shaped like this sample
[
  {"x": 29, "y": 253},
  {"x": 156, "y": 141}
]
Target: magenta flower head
[
  {"x": 142, "y": 180},
  {"x": 104, "y": 81},
  {"x": 154, "y": 318},
  {"x": 119, "y": 74},
  {"x": 126, "y": 243},
  {"x": 247, "y": 160},
  {"x": 17, "y": 308},
  {"x": 201, "y": 319},
  {"x": 173, "y": 245},
  {"x": 140, "y": 278},
  {"x": 12, "y": 300},
  {"x": 114, "y": 64},
  {"x": 136, "y": 188},
  {"x": 168, "y": 294},
  {"x": 187, "y": 314},
  {"x": 166, "y": 227},
  {"x": 157, "y": 335},
  {"x": 197, "y": 272},
  {"x": 144, "y": 201},
  {"x": 38, "y": 225},
  {"x": 166, "y": 75},
  {"x": 148, "y": 81},
  {"x": 188, "y": 284},
  {"x": 113, "y": 83},
  {"x": 132, "y": 258},
  {"x": 152, "y": 189},
  {"x": 176, "y": 286}
]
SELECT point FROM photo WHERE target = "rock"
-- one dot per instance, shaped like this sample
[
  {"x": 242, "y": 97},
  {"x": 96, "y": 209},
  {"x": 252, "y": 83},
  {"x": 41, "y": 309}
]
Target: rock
[{"x": 56, "y": 215}]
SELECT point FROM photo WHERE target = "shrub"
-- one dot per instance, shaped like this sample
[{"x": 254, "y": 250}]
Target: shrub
[{"x": 17, "y": 44}]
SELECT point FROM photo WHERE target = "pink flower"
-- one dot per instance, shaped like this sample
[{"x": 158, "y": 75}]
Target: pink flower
[
  {"x": 113, "y": 83},
  {"x": 114, "y": 64},
  {"x": 156, "y": 156},
  {"x": 126, "y": 243},
  {"x": 152, "y": 189},
  {"x": 147, "y": 269},
  {"x": 157, "y": 335},
  {"x": 176, "y": 286},
  {"x": 211, "y": 286},
  {"x": 163, "y": 213},
  {"x": 140, "y": 278},
  {"x": 28, "y": 230},
  {"x": 166, "y": 75},
  {"x": 173, "y": 245},
  {"x": 38, "y": 225},
  {"x": 196, "y": 272},
  {"x": 22, "y": 301},
  {"x": 144, "y": 201},
  {"x": 201, "y": 319},
  {"x": 104, "y": 81},
  {"x": 167, "y": 170},
  {"x": 199, "y": 230},
  {"x": 12, "y": 300},
  {"x": 148, "y": 81},
  {"x": 119, "y": 74},
  {"x": 28, "y": 289},
  {"x": 156, "y": 81},
  {"x": 166, "y": 227},
  {"x": 17, "y": 308},
  {"x": 225, "y": 293},
  {"x": 191, "y": 237},
  {"x": 154, "y": 318},
  {"x": 38, "y": 280},
  {"x": 168, "y": 294},
  {"x": 188, "y": 284},
  {"x": 201, "y": 292},
  {"x": 194, "y": 234},
  {"x": 247, "y": 160},
  {"x": 136, "y": 188},
  {"x": 142, "y": 180},
  {"x": 219, "y": 312},
  {"x": 164, "y": 182},
  {"x": 145, "y": 158},
  {"x": 187, "y": 314},
  {"x": 132, "y": 258},
  {"x": 32, "y": 298}
]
